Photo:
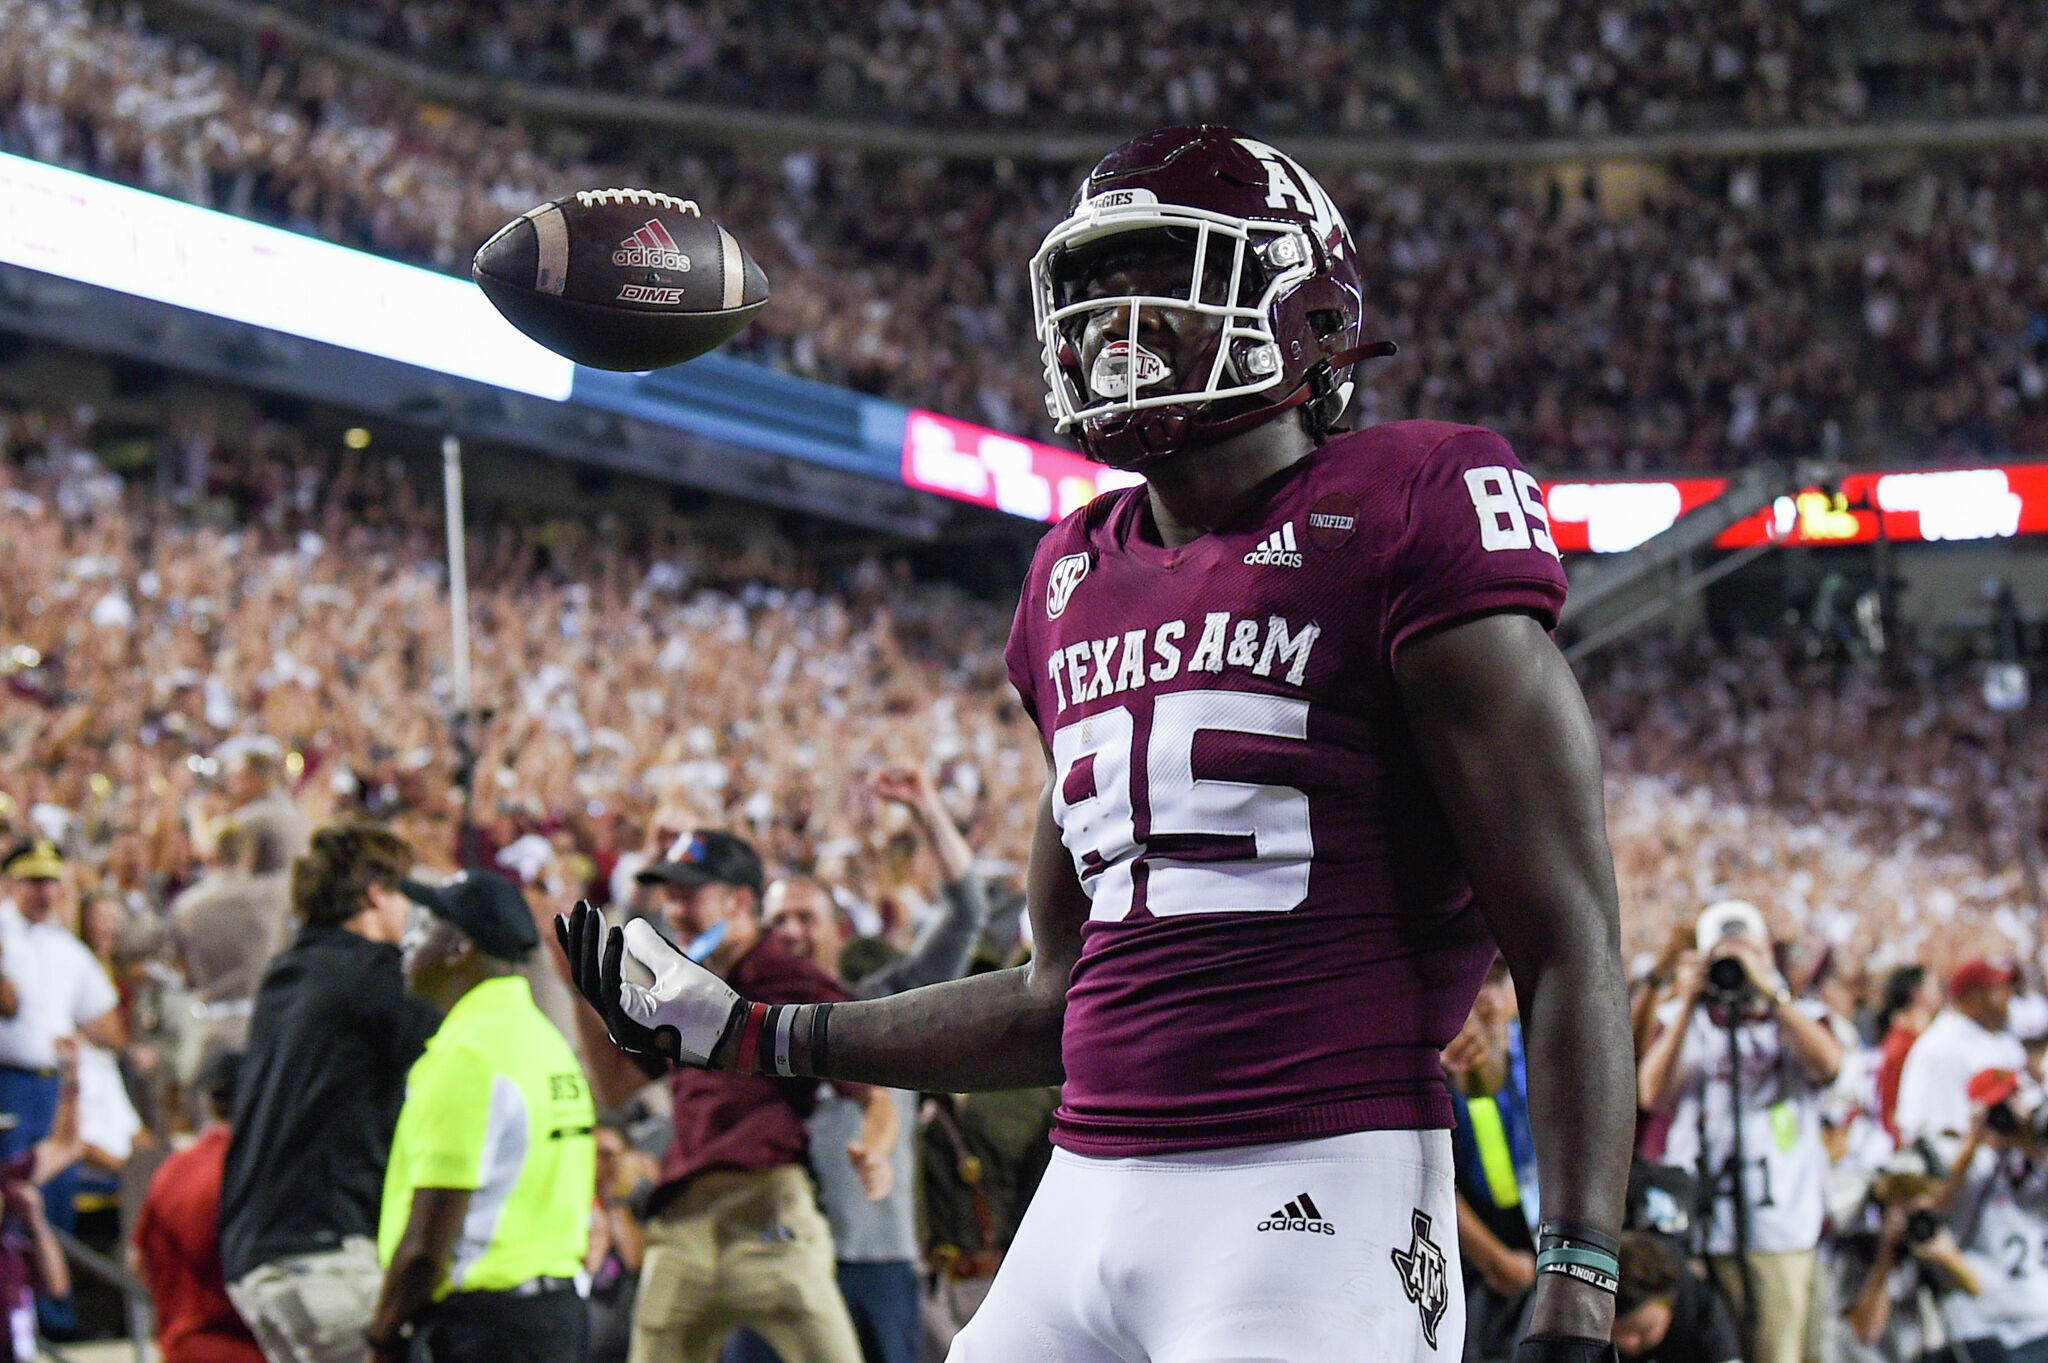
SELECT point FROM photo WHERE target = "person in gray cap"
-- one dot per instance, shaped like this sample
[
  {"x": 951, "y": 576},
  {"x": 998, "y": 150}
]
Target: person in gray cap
[{"x": 486, "y": 1208}]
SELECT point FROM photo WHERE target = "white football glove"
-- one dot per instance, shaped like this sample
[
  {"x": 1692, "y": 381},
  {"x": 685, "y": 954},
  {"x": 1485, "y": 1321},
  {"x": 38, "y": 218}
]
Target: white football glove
[{"x": 685, "y": 999}]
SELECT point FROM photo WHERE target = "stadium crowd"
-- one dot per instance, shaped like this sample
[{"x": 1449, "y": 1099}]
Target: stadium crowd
[
  {"x": 202, "y": 670},
  {"x": 262, "y": 628},
  {"x": 1364, "y": 66},
  {"x": 1656, "y": 317}
]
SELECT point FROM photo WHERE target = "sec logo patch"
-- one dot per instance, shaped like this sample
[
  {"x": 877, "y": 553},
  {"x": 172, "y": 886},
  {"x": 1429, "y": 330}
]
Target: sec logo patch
[{"x": 1059, "y": 588}]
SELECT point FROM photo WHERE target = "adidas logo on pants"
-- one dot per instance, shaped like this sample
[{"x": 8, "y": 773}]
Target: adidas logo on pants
[{"x": 1300, "y": 1214}]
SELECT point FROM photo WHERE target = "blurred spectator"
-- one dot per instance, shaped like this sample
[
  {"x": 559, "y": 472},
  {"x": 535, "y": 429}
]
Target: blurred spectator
[
  {"x": 1760, "y": 1176},
  {"x": 876, "y": 1242},
  {"x": 1997, "y": 1205},
  {"x": 333, "y": 1035},
  {"x": 1912, "y": 1260},
  {"x": 1911, "y": 999},
  {"x": 1494, "y": 1153},
  {"x": 62, "y": 991},
  {"x": 223, "y": 933},
  {"x": 734, "y": 1236},
  {"x": 617, "y": 1244},
  {"x": 176, "y": 1239},
  {"x": 486, "y": 1206},
  {"x": 32, "y": 1263},
  {"x": 686, "y": 683},
  {"x": 980, "y": 1159},
  {"x": 1966, "y": 1038},
  {"x": 1664, "y": 1313},
  {"x": 279, "y": 833}
]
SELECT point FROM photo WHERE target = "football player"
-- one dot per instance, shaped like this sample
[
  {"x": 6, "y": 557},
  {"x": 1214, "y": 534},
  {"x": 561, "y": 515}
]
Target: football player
[{"x": 1313, "y": 754}]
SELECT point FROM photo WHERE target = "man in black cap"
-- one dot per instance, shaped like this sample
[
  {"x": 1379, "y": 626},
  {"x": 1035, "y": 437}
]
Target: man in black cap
[
  {"x": 736, "y": 1200},
  {"x": 487, "y": 1197}
]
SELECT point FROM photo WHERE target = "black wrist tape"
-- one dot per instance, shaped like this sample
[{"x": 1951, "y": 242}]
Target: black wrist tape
[
  {"x": 1566, "y": 1232},
  {"x": 818, "y": 1016},
  {"x": 1564, "y": 1349}
]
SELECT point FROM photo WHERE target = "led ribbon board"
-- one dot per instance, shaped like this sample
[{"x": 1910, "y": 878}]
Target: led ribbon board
[
  {"x": 90, "y": 230},
  {"x": 1994, "y": 501},
  {"x": 974, "y": 464},
  {"x": 1600, "y": 516}
]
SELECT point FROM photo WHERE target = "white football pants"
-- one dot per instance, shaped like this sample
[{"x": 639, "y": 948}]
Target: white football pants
[{"x": 1344, "y": 1248}]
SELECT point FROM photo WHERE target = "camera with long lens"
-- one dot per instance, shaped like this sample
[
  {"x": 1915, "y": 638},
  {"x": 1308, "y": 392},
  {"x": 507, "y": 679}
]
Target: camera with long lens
[{"x": 1727, "y": 982}]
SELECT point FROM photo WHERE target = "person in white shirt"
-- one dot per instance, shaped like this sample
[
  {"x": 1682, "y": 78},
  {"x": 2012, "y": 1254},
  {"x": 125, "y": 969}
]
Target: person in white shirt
[
  {"x": 1789, "y": 1055},
  {"x": 1965, "y": 1038},
  {"x": 59, "y": 990},
  {"x": 1965, "y": 1066}
]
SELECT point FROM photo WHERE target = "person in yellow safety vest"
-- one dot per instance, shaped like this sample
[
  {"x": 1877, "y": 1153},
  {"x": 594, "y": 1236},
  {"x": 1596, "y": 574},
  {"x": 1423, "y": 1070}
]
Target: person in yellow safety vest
[{"x": 486, "y": 1212}]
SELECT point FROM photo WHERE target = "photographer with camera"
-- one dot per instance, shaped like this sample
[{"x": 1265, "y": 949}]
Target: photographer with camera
[
  {"x": 1966, "y": 1098},
  {"x": 1907, "y": 1256},
  {"x": 1998, "y": 1210},
  {"x": 1751, "y": 1129}
]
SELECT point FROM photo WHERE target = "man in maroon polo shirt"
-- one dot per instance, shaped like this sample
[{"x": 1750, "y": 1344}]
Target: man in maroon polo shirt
[{"x": 734, "y": 1235}]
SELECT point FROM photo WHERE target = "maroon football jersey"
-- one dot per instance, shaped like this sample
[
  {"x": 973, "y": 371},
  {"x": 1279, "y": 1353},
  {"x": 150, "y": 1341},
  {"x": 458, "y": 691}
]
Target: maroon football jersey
[{"x": 1281, "y": 936}]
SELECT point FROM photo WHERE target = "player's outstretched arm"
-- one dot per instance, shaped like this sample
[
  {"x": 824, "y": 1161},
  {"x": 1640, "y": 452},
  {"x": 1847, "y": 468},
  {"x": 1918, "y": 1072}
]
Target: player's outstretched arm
[
  {"x": 992, "y": 1031},
  {"x": 1511, "y": 753}
]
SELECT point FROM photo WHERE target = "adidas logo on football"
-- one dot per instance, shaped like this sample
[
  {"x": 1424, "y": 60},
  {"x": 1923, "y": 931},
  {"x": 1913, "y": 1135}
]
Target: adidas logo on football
[
  {"x": 653, "y": 248},
  {"x": 1277, "y": 549},
  {"x": 1300, "y": 1214}
]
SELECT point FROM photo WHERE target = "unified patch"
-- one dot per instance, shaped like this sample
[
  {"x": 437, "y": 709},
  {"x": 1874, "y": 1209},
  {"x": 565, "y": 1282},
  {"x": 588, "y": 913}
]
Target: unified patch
[{"x": 1332, "y": 521}]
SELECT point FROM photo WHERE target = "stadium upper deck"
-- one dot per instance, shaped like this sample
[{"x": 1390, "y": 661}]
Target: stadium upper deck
[
  {"x": 1653, "y": 316},
  {"x": 1483, "y": 67}
]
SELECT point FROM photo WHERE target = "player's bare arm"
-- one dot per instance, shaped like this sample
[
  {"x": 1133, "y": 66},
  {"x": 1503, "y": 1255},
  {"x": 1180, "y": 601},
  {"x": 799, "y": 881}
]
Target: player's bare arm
[
  {"x": 991, "y": 1031},
  {"x": 1511, "y": 752}
]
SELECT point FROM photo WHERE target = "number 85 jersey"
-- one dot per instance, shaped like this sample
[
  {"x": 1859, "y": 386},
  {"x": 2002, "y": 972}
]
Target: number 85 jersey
[{"x": 1281, "y": 937}]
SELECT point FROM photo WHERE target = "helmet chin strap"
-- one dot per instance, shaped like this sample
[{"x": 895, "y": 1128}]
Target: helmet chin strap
[{"x": 1162, "y": 430}]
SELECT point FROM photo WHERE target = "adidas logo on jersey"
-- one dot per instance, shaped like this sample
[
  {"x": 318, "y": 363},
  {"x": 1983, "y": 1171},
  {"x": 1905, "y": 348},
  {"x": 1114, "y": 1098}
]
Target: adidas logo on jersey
[
  {"x": 1277, "y": 549},
  {"x": 1300, "y": 1214}
]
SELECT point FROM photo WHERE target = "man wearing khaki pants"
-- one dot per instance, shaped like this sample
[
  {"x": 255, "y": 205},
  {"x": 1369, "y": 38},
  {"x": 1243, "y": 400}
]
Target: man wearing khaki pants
[{"x": 734, "y": 1235}]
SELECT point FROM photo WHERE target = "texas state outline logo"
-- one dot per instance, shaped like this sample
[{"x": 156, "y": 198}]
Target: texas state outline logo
[{"x": 1424, "y": 1276}]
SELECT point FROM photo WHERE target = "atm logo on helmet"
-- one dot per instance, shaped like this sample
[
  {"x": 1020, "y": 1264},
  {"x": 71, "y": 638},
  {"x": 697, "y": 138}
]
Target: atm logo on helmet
[{"x": 1289, "y": 186}]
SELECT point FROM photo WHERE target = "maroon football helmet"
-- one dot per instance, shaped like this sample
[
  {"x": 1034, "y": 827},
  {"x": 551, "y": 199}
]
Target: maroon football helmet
[{"x": 1266, "y": 253}]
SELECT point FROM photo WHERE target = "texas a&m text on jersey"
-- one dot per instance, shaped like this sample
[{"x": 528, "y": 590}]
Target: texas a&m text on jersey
[{"x": 1234, "y": 782}]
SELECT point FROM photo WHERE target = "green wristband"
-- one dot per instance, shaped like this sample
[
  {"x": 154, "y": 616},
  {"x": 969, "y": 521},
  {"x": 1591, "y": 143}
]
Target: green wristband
[
  {"x": 1594, "y": 1267},
  {"x": 1584, "y": 1257}
]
